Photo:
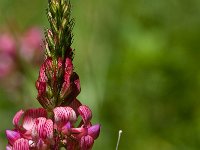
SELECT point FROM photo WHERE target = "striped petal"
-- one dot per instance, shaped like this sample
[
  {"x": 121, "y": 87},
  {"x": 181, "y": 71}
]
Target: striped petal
[
  {"x": 86, "y": 143},
  {"x": 17, "y": 118},
  {"x": 71, "y": 85},
  {"x": 42, "y": 128},
  {"x": 12, "y": 136},
  {"x": 64, "y": 114},
  {"x": 30, "y": 116},
  {"x": 85, "y": 113},
  {"x": 49, "y": 128},
  {"x": 21, "y": 144},
  {"x": 38, "y": 128},
  {"x": 66, "y": 89}
]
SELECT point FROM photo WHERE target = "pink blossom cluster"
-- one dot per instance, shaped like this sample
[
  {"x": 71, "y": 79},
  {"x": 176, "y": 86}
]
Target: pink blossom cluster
[
  {"x": 40, "y": 130},
  {"x": 7, "y": 54},
  {"x": 63, "y": 121},
  {"x": 19, "y": 47}
]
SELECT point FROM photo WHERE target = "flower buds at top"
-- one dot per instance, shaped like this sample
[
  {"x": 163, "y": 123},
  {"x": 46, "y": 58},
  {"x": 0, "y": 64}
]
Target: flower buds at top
[{"x": 57, "y": 84}]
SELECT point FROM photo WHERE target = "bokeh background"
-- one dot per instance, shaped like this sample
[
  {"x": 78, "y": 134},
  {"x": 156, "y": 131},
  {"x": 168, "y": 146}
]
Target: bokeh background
[{"x": 138, "y": 61}]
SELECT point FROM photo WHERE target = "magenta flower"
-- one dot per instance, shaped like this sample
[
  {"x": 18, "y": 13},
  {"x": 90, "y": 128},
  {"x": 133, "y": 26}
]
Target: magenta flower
[
  {"x": 7, "y": 44},
  {"x": 20, "y": 144},
  {"x": 6, "y": 64},
  {"x": 63, "y": 122},
  {"x": 12, "y": 136},
  {"x": 42, "y": 134},
  {"x": 81, "y": 137},
  {"x": 24, "y": 130},
  {"x": 7, "y": 54},
  {"x": 26, "y": 47},
  {"x": 38, "y": 132},
  {"x": 31, "y": 43}
]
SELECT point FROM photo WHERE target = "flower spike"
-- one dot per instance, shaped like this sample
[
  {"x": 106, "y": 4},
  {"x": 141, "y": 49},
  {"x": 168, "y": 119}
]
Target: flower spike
[{"x": 58, "y": 85}]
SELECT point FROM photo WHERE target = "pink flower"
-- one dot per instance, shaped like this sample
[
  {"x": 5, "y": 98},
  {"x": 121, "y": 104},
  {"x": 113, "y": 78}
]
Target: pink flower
[
  {"x": 63, "y": 121},
  {"x": 7, "y": 44},
  {"x": 28, "y": 118},
  {"x": 86, "y": 128},
  {"x": 81, "y": 137},
  {"x": 7, "y": 54},
  {"x": 24, "y": 131},
  {"x": 6, "y": 64},
  {"x": 42, "y": 133},
  {"x": 39, "y": 132},
  {"x": 86, "y": 142},
  {"x": 20, "y": 144},
  {"x": 31, "y": 43},
  {"x": 64, "y": 115},
  {"x": 12, "y": 136}
]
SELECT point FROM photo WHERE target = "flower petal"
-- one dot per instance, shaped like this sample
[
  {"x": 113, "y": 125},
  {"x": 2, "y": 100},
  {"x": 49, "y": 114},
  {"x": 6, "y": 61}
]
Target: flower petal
[
  {"x": 75, "y": 104},
  {"x": 66, "y": 128},
  {"x": 66, "y": 87},
  {"x": 86, "y": 143},
  {"x": 62, "y": 115},
  {"x": 49, "y": 128},
  {"x": 79, "y": 132},
  {"x": 30, "y": 116},
  {"x": 38, "y": 128},
  {"x": 42, "y": 133},
  {"x": 94, "y": 131},
  {"x": 8, "y": 147},
  {"x": 71, "y": 85},
  {"x": 73, "y": 90},
  {"x": 17, "y": 118},
  {"x": 21, "y": 144},
  {"x": 7, "y": 44},
  {"x": 85, "y": 113},
  {"x": 12, "y": 136}
]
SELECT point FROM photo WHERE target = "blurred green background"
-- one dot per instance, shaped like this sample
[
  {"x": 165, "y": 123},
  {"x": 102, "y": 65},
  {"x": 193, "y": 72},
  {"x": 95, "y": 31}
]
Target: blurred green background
[{"x": 138, "y": 61}]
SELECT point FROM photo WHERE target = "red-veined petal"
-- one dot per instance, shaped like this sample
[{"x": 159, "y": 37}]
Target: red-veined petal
[
  {"x": 17, "y": 118},
  {"x": 12, "y": 136},
  {"x": 21, "y": 144},
  {"x": 85, "y": 113},
  {"x": 30, "y": 116},
  {"x": 86, "y": 142}
]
